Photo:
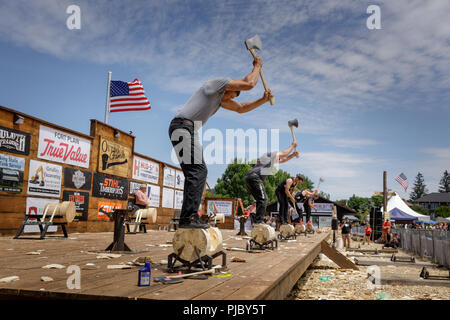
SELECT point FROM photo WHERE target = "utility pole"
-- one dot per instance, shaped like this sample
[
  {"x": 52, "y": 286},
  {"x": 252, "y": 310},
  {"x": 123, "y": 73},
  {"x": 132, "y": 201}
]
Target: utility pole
[{"x": 384, "y": 194}]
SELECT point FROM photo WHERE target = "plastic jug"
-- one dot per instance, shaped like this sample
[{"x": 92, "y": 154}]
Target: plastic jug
[{"x": 144, "y": 275}]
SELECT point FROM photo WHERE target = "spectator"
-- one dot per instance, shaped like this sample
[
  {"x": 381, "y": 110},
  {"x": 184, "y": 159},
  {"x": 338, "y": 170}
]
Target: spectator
[
  {"x": 386, "y": 228},
  {"x": 367, "y": 234},
  {"x": 346, "y": 230}
]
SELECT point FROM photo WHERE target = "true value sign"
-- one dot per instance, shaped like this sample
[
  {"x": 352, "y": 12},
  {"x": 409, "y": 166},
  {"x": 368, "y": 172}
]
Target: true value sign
[{"x": 62, "y": 147}]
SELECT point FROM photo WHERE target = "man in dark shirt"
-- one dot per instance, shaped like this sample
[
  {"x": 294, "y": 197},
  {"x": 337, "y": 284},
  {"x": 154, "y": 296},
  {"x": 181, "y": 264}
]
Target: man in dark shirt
[
  {"x": 254, "y": 179},
  {"x": 346, "y": 230},
  {"x": 183, "y": 133}
]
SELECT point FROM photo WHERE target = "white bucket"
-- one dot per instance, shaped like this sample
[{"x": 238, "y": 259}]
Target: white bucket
[{"x": 339, "y": 243}]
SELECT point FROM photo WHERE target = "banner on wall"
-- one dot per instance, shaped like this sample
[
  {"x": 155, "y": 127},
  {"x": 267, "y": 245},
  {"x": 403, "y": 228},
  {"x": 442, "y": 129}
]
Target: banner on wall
[
  {"x": 59, "y": 146},
  {"x": 153, "y": 193},
  {"x": 104, "y": 207},
  {"x": 44, "y": 179},
  {"x": 169, "y": 177},
  {"x": 167, "y": 200},
  {"x": 35, "y": 206},
  {"x": 14, "y": 141},
  {"x": 145, "y": 170},
  {"x": 179, "y": 179},
  {"x": 81, "y": 200},
  {"x": 220, "y": 206},
  {"x": 113, "y": 158},
  {"x": 178, "y": 199},
  {"x": 11, "y": 173},
  {"x": 77, "y": 179},
  {"x": 109, "y": 187}
]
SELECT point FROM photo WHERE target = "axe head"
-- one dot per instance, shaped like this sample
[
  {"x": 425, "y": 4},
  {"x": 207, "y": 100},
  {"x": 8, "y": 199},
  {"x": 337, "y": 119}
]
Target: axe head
[
  {"x": 253, "y": 43},
  {"x": 293, "y": 123}
]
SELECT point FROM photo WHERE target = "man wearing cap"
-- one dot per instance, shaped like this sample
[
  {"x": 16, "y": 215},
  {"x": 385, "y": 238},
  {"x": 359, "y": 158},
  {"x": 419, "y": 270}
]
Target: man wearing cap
[
  {"x": 141, "y": 197},
  {"x": 205, "y": 102}
]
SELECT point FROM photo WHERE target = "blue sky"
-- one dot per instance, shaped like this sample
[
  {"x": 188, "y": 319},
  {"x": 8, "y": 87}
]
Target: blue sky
[{"x": 367, "y": 100}]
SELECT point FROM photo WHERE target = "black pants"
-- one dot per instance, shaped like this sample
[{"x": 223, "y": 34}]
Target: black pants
[
  {"x": 284, "y": 205},
  {"x": 255, "y": 185},
  {"x": 190, "y": 157},
  {"x": 307, "y": 211}
]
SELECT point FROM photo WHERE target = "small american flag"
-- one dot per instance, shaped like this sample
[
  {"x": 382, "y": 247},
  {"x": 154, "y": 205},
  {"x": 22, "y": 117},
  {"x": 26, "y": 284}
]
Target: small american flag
[
  {"x": 127, "y": 96},
  {"x": 403, "y": 180}
]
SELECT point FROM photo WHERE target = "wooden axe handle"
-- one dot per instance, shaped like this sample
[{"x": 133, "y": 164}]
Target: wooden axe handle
[
  {"x": 272, "y": 99},
  {"x": 293, "y": 138}
]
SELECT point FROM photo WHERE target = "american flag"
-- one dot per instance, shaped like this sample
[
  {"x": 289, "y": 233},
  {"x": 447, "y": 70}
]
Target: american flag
[
  {"x": 127, "y": 96},
  {"x": 403, "y": 180}
]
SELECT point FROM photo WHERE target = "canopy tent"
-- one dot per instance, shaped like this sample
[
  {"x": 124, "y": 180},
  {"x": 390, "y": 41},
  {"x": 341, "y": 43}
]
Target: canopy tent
[
  {"x": 399, "y": 215},
  {"x": 440, "y": 219},
  {"x": 431, "y": 222},
  {"x": 351, "y": 218},
  {"x": 397, "y": 202}
]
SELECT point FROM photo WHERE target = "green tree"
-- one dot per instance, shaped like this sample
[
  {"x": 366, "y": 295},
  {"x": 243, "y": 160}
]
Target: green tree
[
  {"x": 444, "y": 184},
  {"x": 419, "y": 189},
  {"x": 232, "y": 182},
  {"x": 443, "y": 212},
  {"x": 356, "y": 203},
  {"x": 418, "y": 208}
]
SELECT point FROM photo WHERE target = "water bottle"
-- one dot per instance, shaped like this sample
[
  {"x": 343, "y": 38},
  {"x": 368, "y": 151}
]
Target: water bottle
[{"x": 144, "y": 275}]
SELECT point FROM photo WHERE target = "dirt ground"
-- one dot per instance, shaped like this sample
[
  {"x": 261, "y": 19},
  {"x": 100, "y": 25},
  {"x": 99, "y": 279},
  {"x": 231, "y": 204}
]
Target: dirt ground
[{"x": 347, "y": 284}]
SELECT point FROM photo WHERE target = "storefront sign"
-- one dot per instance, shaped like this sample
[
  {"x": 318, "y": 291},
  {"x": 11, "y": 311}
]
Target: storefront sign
[
  {"x": 44, "y": 179},
  {"x": 109, "y": 187},
  {"x": 59, "y": 146},
  {"x": 11, "y": 173},
  {"x": 14, "y": 141},
  {"x": 77, "y": 179}
]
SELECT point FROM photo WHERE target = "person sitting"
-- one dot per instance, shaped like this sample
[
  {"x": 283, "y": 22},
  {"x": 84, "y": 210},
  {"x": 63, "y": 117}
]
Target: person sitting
[{"x": 141, "y": 198}]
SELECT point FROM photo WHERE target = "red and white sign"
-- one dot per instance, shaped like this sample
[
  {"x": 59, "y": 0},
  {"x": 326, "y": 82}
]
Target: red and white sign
[
  {"x": 62, "y": 147},
  {"x": 145, "y": 170}
]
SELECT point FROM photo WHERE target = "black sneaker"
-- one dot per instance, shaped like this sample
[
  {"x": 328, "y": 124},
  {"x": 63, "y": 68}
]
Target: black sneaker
[{"x": 194, "y": 223}]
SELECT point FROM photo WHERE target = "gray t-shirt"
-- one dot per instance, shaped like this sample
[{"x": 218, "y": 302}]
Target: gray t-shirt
[
  {"x": 264, "y": 166},
  {"x": 205, "y": 102}
]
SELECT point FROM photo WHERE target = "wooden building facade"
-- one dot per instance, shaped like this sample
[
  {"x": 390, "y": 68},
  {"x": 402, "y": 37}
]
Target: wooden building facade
[{"x": 41, "y": 163}]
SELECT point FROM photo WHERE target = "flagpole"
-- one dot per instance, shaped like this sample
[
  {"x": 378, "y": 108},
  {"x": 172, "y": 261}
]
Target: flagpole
[{"x": 108, "y": 91}]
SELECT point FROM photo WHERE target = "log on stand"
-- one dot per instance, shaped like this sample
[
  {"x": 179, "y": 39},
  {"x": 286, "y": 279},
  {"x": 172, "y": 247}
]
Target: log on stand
[
  {"x": 263, "y": 237},
  {"x": 118, "y": 244},
  {"x": 196, "y": 248}
]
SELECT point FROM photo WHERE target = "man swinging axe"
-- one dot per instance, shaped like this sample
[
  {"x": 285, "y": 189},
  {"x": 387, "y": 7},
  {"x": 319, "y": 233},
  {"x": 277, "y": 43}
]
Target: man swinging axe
[
  {"x": 193, "y": 115},
  {"x": 254, "y": 179}
]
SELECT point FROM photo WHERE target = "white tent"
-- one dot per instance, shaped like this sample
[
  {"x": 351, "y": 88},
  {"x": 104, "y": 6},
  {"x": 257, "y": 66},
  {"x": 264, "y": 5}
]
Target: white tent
[{"x": 397, "y": 202}]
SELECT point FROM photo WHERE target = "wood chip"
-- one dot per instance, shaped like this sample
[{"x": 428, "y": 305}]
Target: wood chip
[
  {"x": 236, "y": 259},
  {"x": 53, "y": 266},
  {"x": 119, "y": 266},
  {"x": 33, "y": 253},
  {"x": 46, "y": 279},
  {"x": 9, "y": 279},
  {"x": 108, "y": 256}
]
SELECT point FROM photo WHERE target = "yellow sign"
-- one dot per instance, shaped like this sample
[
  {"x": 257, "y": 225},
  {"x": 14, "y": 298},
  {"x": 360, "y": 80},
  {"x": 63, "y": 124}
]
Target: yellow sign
[
  {"x": 378, "y": 193},
  {"x": 113, "y": 158}
]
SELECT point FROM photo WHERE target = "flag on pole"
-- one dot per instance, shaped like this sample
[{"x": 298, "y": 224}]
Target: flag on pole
[
  {"x": 402, "y": 180},
  {"x": 127, "y": 96}
]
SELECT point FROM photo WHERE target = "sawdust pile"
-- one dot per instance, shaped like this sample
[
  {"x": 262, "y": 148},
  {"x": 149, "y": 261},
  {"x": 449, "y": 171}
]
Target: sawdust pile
[{"x": 324, "y": 280}]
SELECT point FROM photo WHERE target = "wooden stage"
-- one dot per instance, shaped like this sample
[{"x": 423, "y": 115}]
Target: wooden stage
[{"x": 264, "y": 275}]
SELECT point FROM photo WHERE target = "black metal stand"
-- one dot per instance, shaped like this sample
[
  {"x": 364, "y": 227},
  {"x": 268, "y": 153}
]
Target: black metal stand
[
  {"x": 291, "y": 237},
  {"x": 242, "y": 221},
  {"x": 43, "y": 227},
  {"x": 425, "y": 274},
  {"x": 205, "y": 262},
  {"x": 118, "y": 243},
  {"x": 253, "y": 245}
]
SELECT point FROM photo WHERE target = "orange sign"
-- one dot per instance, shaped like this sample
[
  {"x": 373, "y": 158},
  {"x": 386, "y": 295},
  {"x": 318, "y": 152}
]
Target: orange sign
[{"x": 106, "y": 207}]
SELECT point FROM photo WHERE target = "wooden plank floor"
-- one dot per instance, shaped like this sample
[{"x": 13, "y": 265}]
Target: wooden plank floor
[{"x": 264, "y": 275}]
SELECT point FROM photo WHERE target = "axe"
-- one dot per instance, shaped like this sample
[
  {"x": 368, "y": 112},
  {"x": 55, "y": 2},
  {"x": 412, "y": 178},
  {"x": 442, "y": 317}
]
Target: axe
[
  {"x": 320, "y": 181},
  {"x": 253, "y": 44},
  {"x": 292, "y": 124}
]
